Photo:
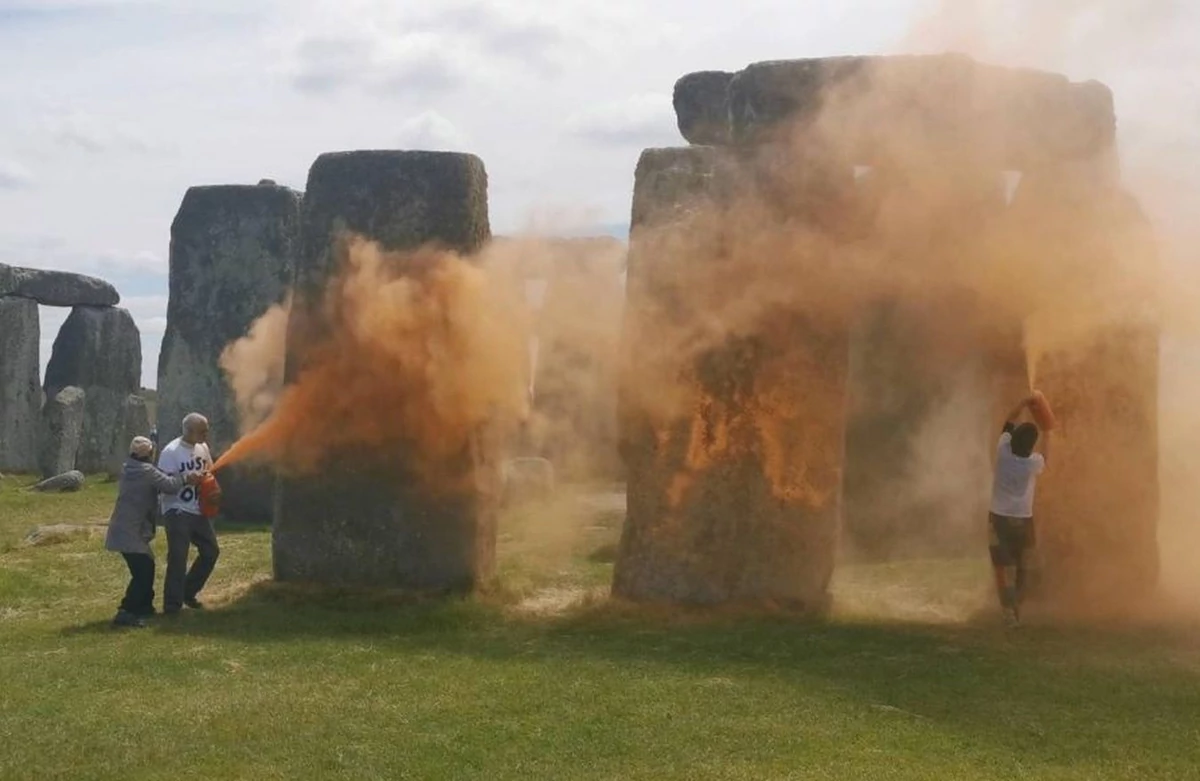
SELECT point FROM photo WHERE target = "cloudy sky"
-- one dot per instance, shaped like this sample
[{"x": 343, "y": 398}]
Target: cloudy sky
[{"x": 113, "y": 108}]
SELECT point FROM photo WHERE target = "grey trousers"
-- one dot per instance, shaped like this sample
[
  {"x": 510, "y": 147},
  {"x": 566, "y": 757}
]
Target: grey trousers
[{"x": 183, "y": 531}]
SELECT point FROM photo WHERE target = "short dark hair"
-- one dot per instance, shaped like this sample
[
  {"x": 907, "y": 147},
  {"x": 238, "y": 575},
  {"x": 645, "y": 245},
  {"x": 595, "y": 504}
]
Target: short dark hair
[{"x": 1024, "y": 437}]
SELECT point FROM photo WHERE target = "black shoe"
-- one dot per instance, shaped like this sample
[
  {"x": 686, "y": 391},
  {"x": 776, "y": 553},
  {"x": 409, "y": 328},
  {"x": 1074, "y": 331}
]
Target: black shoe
[
  {"x": 128, "y": 620},
  {"x": 194, "y": 604},
  {"x": 146, "y": 612},
  {"x": 171, "y": 611}
]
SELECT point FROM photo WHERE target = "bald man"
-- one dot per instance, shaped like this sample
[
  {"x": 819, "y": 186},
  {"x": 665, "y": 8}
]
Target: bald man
[{"x": 187, "y": 455}]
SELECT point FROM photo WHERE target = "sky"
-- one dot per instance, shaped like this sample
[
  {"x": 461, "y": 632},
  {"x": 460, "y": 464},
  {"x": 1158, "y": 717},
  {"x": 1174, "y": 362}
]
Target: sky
[{"x": 113, "y": 108}]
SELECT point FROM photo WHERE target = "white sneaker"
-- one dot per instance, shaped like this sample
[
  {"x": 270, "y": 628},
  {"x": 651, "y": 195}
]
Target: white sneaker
[{"x": 1011, "y": 621}]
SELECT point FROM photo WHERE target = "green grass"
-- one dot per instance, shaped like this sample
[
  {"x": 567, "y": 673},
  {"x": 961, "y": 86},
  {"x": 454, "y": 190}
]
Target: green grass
[{"x": 543, "y": 677}]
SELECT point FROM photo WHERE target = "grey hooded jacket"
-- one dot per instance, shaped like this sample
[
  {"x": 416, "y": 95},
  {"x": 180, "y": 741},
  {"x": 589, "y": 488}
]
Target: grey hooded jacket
[{"x": 131, "y": 527}]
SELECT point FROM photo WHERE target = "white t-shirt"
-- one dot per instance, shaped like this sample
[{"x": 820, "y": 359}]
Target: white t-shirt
[
  {"x": 180, "y": 458},
  {"x": 1012, "y": 488}
]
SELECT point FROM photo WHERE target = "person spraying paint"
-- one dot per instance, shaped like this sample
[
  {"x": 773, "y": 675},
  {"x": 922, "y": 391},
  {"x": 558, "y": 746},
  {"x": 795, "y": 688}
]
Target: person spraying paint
[
  {"x": 1011, "y": 529},
  {"x": 132, "y": 524}
]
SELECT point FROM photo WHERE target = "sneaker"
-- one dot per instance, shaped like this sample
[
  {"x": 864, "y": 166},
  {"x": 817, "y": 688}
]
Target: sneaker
[
  {"x": 148, "y": 612},
  {"x": 128, "y": 620},
  {"x": 194, "y": 604},
  {"x": 1011, "y": 619}
]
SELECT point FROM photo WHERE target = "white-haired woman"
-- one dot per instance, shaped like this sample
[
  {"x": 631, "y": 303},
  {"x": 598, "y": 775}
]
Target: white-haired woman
[{"x": 132, "y": 524}]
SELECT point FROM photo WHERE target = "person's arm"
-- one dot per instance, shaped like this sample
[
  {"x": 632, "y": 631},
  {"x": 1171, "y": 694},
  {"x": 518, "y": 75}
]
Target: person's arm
[
  {"x": 1010, "y": 421},
  {"x": 165, "y": 483}
]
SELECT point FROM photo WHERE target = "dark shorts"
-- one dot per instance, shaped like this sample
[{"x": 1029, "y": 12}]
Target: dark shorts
[{"x": 1009, "y": 539}]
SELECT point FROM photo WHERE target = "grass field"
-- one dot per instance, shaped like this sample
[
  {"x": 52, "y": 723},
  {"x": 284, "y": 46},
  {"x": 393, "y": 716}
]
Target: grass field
[{"x": 543, "y": 677}]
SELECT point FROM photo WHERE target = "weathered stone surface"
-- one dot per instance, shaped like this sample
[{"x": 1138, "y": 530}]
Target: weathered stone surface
[
  {"x": 20, "y": 396},
  {"x": 921, "y": 434},
  {"x": 733, "y": 454},
  {"x": 232, "y": 250},
  {"x": 56, "y": 288},
  {"x": 100, "y": 351},
  {"x": 134, "y": 422},
  {"x": 366, "y": 519},
  {"x": 62, "y": 431},
  {"x": 702, "y": 107},
  {"x": 68, "y": 482},
  {"x": 578, "y": 328},
  {"x": 875, "y": 110}
]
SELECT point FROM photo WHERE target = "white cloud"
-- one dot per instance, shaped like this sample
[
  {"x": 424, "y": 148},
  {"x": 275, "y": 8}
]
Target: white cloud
[
  {"x": 93, "y": 135},
  {"x": 641, "y": 120},
  {"x": 14, "y": 176},
  {"x": 149, "y": 312},
  {"x": 431, "y": 131},
  {"x": 406, "y": 64},
  {"x": 141, "y": 262}
]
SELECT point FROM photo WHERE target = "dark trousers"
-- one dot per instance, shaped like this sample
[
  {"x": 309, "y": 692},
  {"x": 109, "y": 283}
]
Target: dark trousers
[
  {"x": 183, "y": 531},
  {"x": 1010, "y": 540},
  {"x": 139, "y": 596}
]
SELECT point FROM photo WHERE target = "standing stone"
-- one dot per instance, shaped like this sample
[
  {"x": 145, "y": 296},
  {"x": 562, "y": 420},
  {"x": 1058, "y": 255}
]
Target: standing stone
[
  {"x": 134, "y": 422},
  {"x": 734, "y": 454},
  {"x": 62, "y": 431},
  {"x": 366, "y": 519},
  {"x": 100, "y": 351},
  {"x": 20, "y": 396},
  {"x": 1097, "y": 505},
  {"x": 232, "y": 250},
  {"x": 919, "y": 438}
]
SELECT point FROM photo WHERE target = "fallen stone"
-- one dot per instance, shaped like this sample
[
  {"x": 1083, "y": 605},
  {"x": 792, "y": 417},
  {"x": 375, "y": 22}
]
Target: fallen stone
[
  {"x": 100, "y": 351},
  {"x": 232, "y": 250},
  {"x": 58, "y": 533},
  {"x": 62, "y": 431},
  {"x": 68, "y": 482},
  {"x": 702, "y": 107},
  {"x": 56, "y": 288},
  {"x": 366, "y": 520},
  {"x": 875, "y": 110},
  {"x": 20, "y": 396}
]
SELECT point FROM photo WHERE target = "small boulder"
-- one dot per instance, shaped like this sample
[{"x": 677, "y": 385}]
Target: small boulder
[{"x": 66, "y": 483}]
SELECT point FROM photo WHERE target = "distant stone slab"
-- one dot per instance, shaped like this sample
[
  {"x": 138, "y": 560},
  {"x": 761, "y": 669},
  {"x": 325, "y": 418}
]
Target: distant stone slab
[
  {"x": 20, "y": 396},
  {"x": 878, "y": 109},
  {"x": 68, "y": 482},
  {"x": 98, "y": 349},
  {"x": 56, "y": 288}
]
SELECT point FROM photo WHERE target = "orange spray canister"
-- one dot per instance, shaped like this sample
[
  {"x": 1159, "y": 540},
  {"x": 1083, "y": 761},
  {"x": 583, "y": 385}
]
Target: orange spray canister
[
  {"x": 210, "y": 496},
  {"x": 1042, "y": 413}
]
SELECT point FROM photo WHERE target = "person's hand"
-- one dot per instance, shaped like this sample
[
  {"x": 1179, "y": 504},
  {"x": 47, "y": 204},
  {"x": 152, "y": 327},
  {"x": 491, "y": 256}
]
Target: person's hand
[{"x": 193, "y": 478}]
